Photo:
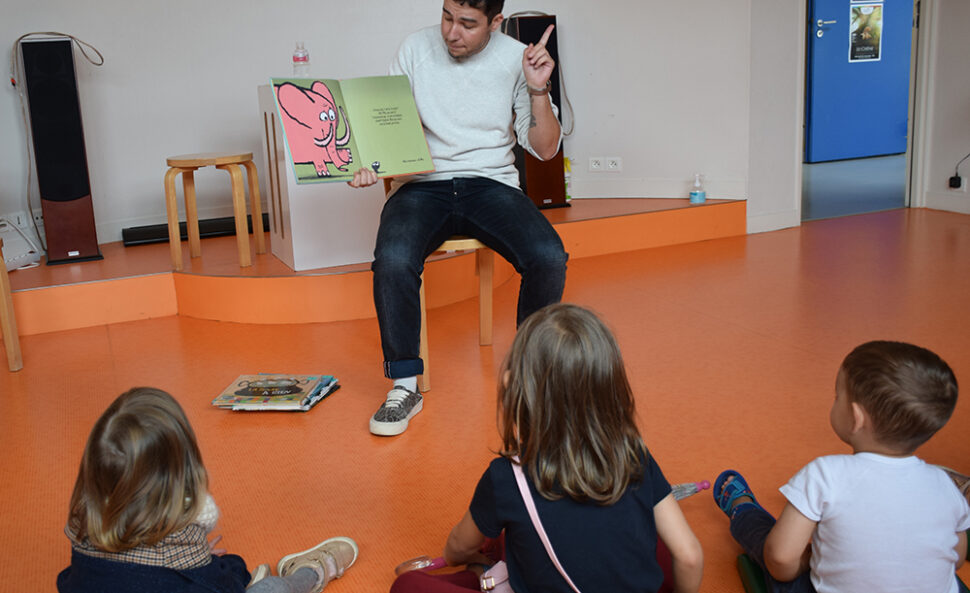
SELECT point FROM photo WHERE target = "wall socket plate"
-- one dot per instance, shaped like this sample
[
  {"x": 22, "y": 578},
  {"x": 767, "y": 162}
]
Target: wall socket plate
[{"x": 610, "y": 164}]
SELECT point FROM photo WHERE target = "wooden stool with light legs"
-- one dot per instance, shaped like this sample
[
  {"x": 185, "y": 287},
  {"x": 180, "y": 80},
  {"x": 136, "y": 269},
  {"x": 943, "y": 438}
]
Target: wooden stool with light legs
[
  {"x": 8, "y": 323},
  {"x": 484, "y": 268},
  {"x": 186, "y": 164}
]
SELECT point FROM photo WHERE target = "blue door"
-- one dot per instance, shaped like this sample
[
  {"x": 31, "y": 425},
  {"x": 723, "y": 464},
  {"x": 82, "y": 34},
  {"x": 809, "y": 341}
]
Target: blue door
[{"x": 857, "y": 101}]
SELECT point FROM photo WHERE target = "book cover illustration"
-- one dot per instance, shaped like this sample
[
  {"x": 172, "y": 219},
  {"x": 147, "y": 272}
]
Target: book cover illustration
[
  {"x": 285, "y": 392},
  {"x": 333, "y": 127}
]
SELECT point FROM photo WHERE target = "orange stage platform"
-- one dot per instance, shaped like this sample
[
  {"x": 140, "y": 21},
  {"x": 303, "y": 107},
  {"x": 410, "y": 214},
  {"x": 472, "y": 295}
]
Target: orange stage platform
[{"x": 134, "y": 283}]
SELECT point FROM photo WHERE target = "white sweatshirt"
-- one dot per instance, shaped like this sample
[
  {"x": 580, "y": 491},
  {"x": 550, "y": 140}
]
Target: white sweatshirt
[{"x": 468, "y": 107}]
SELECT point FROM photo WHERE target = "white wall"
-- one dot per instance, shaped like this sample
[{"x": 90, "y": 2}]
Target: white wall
[
  {"x": 947, "y": 126},
  {"x": 664, "y": 85},
  {"x": 775, "y": 114},
  {"x": 661, "y": 84}
]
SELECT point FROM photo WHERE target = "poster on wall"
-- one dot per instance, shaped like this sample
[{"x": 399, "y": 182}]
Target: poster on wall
[{"x": 865, "y": 32}]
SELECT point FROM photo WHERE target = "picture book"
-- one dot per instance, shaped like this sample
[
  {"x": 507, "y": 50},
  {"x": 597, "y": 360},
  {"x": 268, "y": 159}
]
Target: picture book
[
  {"x": 335, "y": 127},
  {"x": 280, "y": 392}
]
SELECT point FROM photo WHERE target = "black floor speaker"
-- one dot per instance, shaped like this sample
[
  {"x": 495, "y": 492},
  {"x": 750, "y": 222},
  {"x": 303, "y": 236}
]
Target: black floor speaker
[
  {"x": 543, "y": 181},
  {"x": 59, "y": 154}
]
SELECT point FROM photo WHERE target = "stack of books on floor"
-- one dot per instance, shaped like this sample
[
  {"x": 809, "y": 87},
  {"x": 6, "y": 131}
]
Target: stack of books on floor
[{"x": 276, "y": 392}]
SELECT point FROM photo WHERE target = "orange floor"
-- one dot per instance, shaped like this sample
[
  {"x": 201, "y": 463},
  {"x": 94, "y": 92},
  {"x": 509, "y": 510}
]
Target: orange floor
[{"x": 732, "y": 347}]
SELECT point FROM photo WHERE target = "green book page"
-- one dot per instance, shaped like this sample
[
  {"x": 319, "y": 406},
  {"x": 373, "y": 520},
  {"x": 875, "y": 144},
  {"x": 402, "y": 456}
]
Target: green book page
[
  {"x": 314, "y": 117},
  {"x": 386, "y": 125}
]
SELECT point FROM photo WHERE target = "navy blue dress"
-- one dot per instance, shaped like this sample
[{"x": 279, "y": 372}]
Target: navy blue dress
[{"x": 602, "y": 548}]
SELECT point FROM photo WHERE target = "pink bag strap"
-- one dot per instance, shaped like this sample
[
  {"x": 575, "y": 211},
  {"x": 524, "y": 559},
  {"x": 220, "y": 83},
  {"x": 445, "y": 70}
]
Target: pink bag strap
[{"x": 530, "y": 505}]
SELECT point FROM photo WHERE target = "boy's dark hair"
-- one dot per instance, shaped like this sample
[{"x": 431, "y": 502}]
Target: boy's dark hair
[
  {"x": 489, "y": 7},
  {"x": 908, "y": 391}
]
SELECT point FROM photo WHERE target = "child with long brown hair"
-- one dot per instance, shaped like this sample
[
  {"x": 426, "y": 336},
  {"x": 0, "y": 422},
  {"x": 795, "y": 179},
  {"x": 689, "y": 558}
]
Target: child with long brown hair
[
  {"x": 567, "y": 418},
  {"x": 141, "y": 514}
]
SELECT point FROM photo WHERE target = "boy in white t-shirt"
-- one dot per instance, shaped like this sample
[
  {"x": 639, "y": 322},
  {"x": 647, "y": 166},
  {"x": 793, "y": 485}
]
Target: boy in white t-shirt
[{"x": 877, "y": 520}]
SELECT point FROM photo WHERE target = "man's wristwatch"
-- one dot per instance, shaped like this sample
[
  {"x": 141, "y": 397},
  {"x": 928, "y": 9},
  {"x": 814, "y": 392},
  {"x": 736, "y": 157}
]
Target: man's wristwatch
[{"x": 540, "y": 92}]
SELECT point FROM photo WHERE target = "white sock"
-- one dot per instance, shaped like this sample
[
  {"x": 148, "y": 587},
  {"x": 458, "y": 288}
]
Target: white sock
[{"x": 409, "y": 383}]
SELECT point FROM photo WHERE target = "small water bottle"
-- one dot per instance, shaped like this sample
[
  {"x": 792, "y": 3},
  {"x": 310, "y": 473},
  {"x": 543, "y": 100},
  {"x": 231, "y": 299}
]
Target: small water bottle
[
  {"x": 697, "y": 193},
  {"x": 301, "y": 61}
]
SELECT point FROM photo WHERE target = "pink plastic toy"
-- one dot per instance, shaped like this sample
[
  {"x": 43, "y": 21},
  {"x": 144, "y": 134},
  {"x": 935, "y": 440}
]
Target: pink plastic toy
[{"x": 682, "y": 491}]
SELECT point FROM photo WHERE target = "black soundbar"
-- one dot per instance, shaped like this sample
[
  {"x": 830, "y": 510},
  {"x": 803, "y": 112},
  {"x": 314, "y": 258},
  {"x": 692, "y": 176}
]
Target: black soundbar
[{"x": 158, "y": 233}]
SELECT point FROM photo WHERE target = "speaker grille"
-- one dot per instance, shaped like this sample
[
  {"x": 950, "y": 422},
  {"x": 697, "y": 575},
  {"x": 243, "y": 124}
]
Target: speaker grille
[{"x": 55, "y": 120}]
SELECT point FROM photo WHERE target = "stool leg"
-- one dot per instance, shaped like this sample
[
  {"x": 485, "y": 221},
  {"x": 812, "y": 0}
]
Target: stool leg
[
  {"x": 255, "y": 207},
  {"x": 424, "y": 381},
  {"x": 191, "y": 212},
  {"x": 11, "y": 338},
  {"x": 171, "y": 209},
  {"x": 485, "y": 259},
  {"x": 239, "y": 209}
]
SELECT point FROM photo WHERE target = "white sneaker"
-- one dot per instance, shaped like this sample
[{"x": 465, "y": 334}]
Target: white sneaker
[
  {"x": 330, "y": 558},
  {"x": 259, "y": 573},
  {"x": 393, "y": 415}
]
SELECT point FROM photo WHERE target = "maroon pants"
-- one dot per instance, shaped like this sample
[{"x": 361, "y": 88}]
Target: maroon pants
[{"x": 417, "y": 581}]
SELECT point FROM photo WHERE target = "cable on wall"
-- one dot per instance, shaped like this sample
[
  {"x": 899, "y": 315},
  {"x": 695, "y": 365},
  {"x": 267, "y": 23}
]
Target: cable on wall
[
  {"x": 956, "y": 170},
  {"x": 16, "y": 74}
]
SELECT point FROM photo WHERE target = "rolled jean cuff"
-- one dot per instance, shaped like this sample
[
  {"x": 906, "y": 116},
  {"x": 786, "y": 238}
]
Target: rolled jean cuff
[{"x": 399, "y": 369}]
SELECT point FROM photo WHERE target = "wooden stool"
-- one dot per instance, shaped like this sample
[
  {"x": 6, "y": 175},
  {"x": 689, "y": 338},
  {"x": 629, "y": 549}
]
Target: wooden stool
[
  {"x": 8, "y": 323},
  {"x": 484, "y": 267},
  {"x": 186, "y": 164}
]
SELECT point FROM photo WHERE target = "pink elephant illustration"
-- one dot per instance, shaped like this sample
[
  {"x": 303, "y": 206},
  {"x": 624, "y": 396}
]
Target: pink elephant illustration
[{"x": 310, "y": 120}]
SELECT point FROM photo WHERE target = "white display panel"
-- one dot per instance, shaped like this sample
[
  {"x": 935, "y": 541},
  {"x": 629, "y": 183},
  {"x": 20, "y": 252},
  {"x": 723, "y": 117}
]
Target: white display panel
[{"x": 317, "y": 225}]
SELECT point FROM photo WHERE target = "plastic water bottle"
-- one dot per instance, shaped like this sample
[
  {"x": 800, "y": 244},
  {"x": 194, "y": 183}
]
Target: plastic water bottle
[
  {"x": 301, "y": 61},
  {"x": 682, "y": 491},
  {"x": 697, "y": 193}
]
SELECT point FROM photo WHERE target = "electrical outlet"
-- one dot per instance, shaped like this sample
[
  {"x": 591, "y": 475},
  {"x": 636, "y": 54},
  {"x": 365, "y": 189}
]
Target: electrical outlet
[
  {"x": 596, "y": 163},
  {"x": 614, "y": 163},
  {"x": 957, "y": 183}
]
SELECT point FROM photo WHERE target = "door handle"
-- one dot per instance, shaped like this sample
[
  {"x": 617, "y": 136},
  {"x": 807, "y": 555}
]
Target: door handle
[{"x": 820, "y": 23}]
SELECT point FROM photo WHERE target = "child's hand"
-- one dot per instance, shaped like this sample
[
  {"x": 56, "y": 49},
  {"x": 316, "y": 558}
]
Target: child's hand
[
  {"x": 479, "y": 560},
  {"x": 212, "y": 546}
]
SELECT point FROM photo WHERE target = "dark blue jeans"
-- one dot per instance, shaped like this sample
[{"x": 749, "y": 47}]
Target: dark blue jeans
[
  {"x": 750, "y": 528},
  {"x": 419, "y": 217}
]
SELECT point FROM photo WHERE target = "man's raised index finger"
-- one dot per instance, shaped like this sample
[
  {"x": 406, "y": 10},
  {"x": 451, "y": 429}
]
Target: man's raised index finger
[{"x": 545, "y": 36}]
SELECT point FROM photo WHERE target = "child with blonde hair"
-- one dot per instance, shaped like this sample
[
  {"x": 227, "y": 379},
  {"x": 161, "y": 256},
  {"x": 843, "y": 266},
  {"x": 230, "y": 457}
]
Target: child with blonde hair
[
  {"x": 880, "y": 519},
  {"x": 567, "y": 420},
  {"x": 140, "y": 514}
]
